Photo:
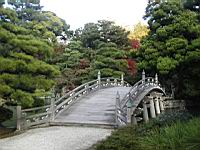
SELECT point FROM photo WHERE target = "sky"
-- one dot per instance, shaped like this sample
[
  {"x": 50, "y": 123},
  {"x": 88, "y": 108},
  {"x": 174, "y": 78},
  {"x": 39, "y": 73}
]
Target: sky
[{"x": 78, "y": 12}]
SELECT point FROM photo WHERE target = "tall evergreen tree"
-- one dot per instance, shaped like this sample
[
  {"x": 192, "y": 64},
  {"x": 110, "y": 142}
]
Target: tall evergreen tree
[
  {"x": 25, "y": 74},
  {"x": 172, "y": 46},
  {"x": 104, "y": 31}
]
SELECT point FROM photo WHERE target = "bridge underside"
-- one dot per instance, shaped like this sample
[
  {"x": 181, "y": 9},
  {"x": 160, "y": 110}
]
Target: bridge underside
[{"x": 96, "y": 108}]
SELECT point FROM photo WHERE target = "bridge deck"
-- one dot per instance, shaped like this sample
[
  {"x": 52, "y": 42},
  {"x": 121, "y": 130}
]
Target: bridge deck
[{"x": 95, "y": 108}]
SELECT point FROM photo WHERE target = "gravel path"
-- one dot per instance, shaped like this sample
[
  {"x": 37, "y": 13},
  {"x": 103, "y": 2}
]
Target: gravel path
[{"x": 55, "y": 138}]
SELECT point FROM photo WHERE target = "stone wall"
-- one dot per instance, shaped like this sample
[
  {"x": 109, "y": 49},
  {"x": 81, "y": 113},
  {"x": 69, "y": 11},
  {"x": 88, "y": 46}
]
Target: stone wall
[{"x": 174, "y": 104}]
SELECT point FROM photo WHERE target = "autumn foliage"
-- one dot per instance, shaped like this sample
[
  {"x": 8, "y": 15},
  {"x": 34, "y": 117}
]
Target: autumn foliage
[
  {"x": 132, "y": 68},
  {"x": 138, "y": 31},
  {"x": 135, "y": 44}
]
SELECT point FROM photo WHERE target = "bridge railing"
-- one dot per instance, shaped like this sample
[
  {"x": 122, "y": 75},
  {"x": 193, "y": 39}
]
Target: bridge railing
[
  {"x": 45, "y": 114},
  {"x": 136, "y": 88},
  {"x": 122, "y": 111},
  {"x": 111, "y": 82},
  {"x": 120, "y": 116},
  {"x": 65, "y": 101},
  {"x": 34, "y": 116}
]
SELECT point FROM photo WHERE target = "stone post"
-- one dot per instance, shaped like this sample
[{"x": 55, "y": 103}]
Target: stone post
[
  {"x": 86, "y": 88},
  {"x": 115, "y": 82},
  {"x": 143, "y": 77},
  {"x": 117, "y": 106},
  {"x": 156, "y": 78},
  {"x": 161, "y": 104},
  {"x": 122, "y": 79},
  {"x": 118, "y": 99},
  {"x": 107, "y": 82},
  {"x": 129, "y": 110},
  {"x": 19, "y": 117},
  {"x": 52, "y": 109},
  {"x": 134, "y": 120},
  {"x": 99, "y": 79},
  {"x": 145, "y": 112},
  {"x": 172, "y": 95},
  {"x": 157, "y": 105},
  {"x": 152, "y": 108}
]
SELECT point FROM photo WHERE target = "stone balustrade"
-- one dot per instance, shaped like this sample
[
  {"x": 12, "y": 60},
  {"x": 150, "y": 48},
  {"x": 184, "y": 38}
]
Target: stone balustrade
[
  {"x": 27, "y": 118},
  {"x": 144, "y": 101}
]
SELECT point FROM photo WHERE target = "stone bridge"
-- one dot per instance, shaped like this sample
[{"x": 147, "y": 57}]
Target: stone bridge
[{"x": 109, "y": 102}]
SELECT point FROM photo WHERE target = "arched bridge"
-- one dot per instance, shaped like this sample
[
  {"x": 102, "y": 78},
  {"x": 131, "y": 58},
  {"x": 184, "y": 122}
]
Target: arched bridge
[
  {"x": 98, "y": 102},
  {"x": 144, "y": 100}
]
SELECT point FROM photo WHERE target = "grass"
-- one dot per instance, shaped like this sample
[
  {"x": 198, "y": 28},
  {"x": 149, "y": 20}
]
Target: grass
[
  {"x": 180, "y": 133},
  {"x": 121, "y": 139}
]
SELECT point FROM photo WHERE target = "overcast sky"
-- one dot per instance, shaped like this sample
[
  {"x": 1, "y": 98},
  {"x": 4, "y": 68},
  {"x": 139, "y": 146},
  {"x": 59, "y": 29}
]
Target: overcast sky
[{"x": 78, "y": 12}]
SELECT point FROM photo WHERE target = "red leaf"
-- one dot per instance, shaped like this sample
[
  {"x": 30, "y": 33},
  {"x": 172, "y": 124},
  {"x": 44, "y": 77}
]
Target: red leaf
[
  {"x": 132, "y": 68},
  {"x": 135, "y": 44}
]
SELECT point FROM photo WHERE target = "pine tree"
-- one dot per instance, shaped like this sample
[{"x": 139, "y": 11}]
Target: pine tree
[
  {"x": 172, "y": 47},
  {"x": 25, "y": 75}
]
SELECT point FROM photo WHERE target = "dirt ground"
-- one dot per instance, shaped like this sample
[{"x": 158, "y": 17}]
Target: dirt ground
[{"x": 6, "y": 132}]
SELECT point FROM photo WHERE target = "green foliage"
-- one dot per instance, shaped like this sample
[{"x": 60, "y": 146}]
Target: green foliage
[
  {"x": 192, "y": 142},
  {"x": 172, "y": 116},
  {"x": 49, "y": 26},
  {"x": 117, "y": 74},
  {"x": 104, "y": 31},
  {"x": 5, "y": 90},
  {"x": 23, "y": 98},
  {"x": 75, "y": 45},
  {"x": 74, "y": 63},
  {"x": 166, "y": 64},
  {"x": 122, "y": 139},
  {"x": 5, "y": 114},
  {"x": 175, "y": 45},
  {"x": 163, "y": 120},
  {"x": 24, "y": 59},
  {"x": 106, "y": 72},
  {"x": 172, "y": 137},
  {"x": 172, "y": 46},
  {"x": 110, "y": 60},
  {"x": 173, "y": 130}
]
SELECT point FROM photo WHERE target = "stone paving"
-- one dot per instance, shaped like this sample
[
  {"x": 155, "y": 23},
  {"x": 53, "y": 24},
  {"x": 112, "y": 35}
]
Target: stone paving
[{"x": 95, "y": 108}]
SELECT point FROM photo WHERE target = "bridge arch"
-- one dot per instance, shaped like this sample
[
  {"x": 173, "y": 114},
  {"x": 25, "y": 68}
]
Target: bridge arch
[
  {"x": 48, "y": 113},
  {"x": 144, "y": 98}
]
